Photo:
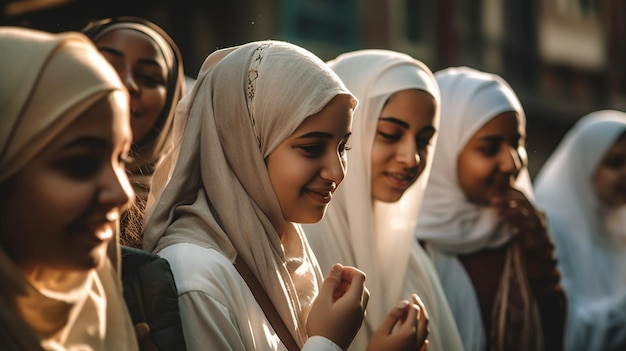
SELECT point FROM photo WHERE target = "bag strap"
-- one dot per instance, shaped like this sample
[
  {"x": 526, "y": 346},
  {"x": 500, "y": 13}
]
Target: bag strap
[{"x": 266, "y": 305}]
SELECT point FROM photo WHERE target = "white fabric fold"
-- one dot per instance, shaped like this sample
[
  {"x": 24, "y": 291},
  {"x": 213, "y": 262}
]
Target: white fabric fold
[
  {"x": 448, "y": 223},
  {"x": 592, "y": 258},
  {"x": 378, "y": 237}
]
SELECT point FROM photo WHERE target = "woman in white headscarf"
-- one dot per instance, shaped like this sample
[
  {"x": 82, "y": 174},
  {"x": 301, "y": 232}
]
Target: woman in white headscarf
[
  {"x": 582, "y": 188},
  {"x": 64, "y": 134},
  {"x": 370, "y": 223},
  {"x": 260, "y": 147},
  {"x": 487, "y": 240}
]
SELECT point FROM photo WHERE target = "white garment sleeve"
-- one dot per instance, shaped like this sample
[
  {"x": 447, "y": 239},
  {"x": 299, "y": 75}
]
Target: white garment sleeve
[
  {"x": 599, "y": 325},
  {"x": 207, "y": 324},
  {"x": 218, "y": 310}
]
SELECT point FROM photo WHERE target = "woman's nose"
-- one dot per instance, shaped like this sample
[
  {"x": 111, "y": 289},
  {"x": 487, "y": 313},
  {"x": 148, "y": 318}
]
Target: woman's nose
[
  {"x": 407, "y": 154},
  {"x": 116, "y": 189},
  {"x": 129, "y": 81},
  {"x": 510, "y": 160},
  {"x": 334, "y": 169}
]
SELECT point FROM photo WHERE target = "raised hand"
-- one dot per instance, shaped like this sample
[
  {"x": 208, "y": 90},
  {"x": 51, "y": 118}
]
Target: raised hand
[
  {"x": 516, "y": 210},
  {"x": 339, "y": 309}
]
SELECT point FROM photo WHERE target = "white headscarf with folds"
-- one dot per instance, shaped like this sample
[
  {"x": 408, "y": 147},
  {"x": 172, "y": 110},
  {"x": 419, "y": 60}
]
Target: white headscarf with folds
[
  {"x": 47, "y": 82},
  {"x": 214, "y": 189},
  {"x": 578, "y": 224},
  {"x": 378, "y": 237},
  {"x": 448, "y": 223}
]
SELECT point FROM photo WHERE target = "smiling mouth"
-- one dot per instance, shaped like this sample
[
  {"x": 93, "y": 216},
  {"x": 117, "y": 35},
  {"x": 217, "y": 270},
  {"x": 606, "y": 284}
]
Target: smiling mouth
[
  {"x": 323, "y": 197},
  {"x": 401, "y": 180}
]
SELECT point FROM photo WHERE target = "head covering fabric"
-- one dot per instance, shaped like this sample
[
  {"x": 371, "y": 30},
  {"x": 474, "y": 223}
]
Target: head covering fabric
[
  {"x": 149, "y": 150},
  {"x": 60, "y": 309},
  {"x": 448, "y": 223},
  {"x": 214, "y": 190},
  {"x": 580, "y": 227},
  {"x": 378, "y": 237}
]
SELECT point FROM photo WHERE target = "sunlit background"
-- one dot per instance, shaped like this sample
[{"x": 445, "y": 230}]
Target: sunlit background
[{"x": 564, "y": 58}]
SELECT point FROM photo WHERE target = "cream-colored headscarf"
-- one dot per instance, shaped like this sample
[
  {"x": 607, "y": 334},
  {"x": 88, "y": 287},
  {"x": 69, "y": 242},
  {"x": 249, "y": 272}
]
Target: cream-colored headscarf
[
  {"x": 46, "y": 82},
  {"x": 448, "y": 223},
  {"x": 214, "y": 189},
  {"x": 148, "y": 151},
  {"x": 595, "y": 285},
  {"x": 378, "y": 237}
]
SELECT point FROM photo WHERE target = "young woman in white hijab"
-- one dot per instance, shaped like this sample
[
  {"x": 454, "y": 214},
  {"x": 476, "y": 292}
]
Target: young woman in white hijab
[
  {"x": 64, "y": 136},
  {"x": 582, "y": 188},
  {"x": 260, "y": 147},
  {"x": 485, "y": 236},
  {"x": 370, "y": 223}
]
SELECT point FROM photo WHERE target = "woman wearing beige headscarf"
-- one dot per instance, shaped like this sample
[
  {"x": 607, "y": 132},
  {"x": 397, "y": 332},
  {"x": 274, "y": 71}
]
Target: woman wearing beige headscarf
[
  {"x": 370, "y": 223},
  {"x": 488, "y": 241},
  {"x": 259, "y": 147},
  {"x": 63, "y": 137},
  {"x": 151, "y": 67}
]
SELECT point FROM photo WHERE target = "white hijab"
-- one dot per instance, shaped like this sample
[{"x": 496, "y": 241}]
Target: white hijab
[
  {"x": 577, "y": 220},
  {"x": 47, "y": 82},
  {"x": 448, "y": 223},
  {"x": 214, "y": 189},
  {"x": 378, "y": 237}
]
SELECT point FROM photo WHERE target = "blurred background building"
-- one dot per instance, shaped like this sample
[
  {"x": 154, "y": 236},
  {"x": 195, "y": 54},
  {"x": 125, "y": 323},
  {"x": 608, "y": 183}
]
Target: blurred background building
[{"x": 564, "y": 58}]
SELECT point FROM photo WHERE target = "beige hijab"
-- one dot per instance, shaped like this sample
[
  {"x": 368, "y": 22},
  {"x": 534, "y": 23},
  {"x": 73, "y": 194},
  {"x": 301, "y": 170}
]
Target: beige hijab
[
  {"x": 49, "y": 80},
  {"x": 374, "y": 236},
  {"x": 214, "y": 189}
]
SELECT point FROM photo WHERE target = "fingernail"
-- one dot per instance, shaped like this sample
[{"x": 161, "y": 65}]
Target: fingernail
[
  {"x": 402, "y": 304},
  {"x": 336, "y": 268}
]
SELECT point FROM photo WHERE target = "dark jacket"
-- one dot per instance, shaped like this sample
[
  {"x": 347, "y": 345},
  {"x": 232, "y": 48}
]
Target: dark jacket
[{"x": 151, "y": 296}]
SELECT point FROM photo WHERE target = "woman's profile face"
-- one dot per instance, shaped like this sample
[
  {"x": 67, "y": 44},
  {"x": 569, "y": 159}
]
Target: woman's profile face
[
  {"x": 62, "y": 208},
  {"x": 609, "y": 178},
  {"x": 491, "y": 160},
  {"x": 306, "y": 168},
  {"x": 402, "y": 143},
  {"x": 143, "y": 69}
]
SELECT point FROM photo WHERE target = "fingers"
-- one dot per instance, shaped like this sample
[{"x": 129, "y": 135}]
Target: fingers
[
  {"x": 399, "y": 312},
  {"x": 422, "y": 320},
  {"x": 332, "y": 282},
  {"x": 354, "y": 280}
]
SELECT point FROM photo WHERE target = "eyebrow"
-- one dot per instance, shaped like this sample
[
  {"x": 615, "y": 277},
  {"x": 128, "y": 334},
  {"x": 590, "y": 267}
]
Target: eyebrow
[
  {"x": 119, "y": 53},
  {"x": 87, "y": 141},
  {"x": 321, "y": 135},
  {"x": 395, "y": 120}
]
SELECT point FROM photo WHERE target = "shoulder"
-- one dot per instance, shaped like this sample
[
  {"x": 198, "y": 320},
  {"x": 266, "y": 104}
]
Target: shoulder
[{"x": 197, "y": 268}]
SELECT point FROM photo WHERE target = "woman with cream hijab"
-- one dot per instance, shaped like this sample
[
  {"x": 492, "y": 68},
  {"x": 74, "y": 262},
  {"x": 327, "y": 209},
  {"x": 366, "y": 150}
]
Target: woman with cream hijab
[
  {"x": 487, "y": 240},
  {"x": 371, "y": 221},
  {"x": 65, "y": 133},
  {"x": 260, "y": 146},
  {"x": 582, "y": 189},
  {"x": 151, "y": 67}
]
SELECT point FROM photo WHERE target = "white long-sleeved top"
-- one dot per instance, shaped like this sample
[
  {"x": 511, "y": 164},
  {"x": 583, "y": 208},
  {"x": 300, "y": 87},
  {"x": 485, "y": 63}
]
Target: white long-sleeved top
[{"x": 218, "y": 310}]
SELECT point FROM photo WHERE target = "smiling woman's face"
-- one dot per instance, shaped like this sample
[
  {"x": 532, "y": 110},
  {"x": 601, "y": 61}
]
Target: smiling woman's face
[
  {"x": 306, "y": 168},
  {"x": 402, "y": 143},
  {"x": 142, "y": 68},
  {"x": 61, "y": 209},
  {"x": 492, "y": 159}
]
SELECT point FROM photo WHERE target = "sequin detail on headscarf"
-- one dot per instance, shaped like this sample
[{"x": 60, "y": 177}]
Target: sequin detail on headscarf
[{"x": 253, "y": 74}]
